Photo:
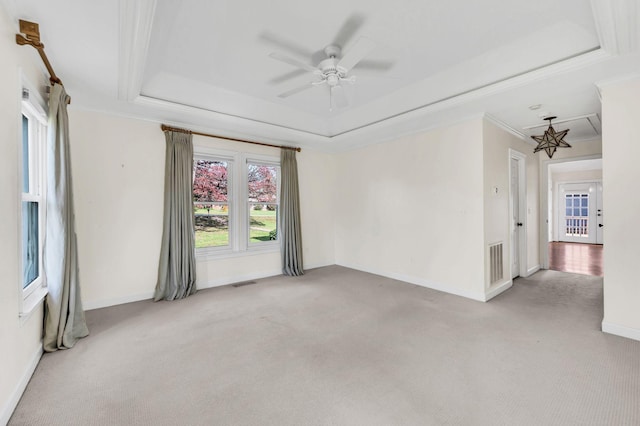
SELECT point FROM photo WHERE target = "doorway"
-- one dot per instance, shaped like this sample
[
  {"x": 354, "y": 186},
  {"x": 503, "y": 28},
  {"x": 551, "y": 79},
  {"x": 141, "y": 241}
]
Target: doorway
[
  {"x": 517, "y": 213},
  {"x": 579, "y": 212},
  {"x": 575, "y": 216}
]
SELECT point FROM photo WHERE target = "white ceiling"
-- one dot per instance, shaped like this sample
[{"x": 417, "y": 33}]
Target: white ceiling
[{"x": 206, "y": 66}]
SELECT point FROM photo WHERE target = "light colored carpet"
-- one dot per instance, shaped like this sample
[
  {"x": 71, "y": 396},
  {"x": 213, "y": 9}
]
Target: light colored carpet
[{"x": 342, "y": 347}]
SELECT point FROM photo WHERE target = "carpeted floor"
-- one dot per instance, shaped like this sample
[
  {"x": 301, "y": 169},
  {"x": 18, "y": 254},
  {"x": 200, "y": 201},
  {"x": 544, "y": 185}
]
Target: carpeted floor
[{"x": 342, "y": 347}]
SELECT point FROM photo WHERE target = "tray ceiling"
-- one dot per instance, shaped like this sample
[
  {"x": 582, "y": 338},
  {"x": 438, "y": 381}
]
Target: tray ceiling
[{"x": 208, "y": 65}]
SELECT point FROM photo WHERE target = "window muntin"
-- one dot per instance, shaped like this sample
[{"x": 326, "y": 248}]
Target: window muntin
[
  {"x": 577, "y": 215},
  {"x": 244, "y": 210},
  {"x": 212, "y": 210},
  {"x": 263, "y": 202}
]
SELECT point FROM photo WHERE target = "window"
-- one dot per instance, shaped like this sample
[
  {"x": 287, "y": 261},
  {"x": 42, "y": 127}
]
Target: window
[
  {"x": 211, "y": 203},
  {"x": 263, "y": 193},
  {"x": 33, "y": 192},
  {"x": 577, "y": 215},
  {"x": 235, "y": 201}
]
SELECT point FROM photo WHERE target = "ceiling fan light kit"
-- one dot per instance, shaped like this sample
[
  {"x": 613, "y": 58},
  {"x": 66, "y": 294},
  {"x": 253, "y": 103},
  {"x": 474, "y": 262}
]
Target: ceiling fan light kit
[{"x": 551, "y": 140}]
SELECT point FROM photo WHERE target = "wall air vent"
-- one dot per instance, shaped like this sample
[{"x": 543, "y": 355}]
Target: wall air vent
[{"x": 495, "y": 263}]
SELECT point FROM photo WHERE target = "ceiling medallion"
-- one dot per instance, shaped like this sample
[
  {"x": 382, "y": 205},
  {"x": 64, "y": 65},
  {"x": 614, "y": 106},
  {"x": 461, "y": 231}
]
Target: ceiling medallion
[{"x": 551, "y": 140}]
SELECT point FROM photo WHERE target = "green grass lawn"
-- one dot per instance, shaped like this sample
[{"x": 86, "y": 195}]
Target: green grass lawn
[{"x": 213, "y": 230}]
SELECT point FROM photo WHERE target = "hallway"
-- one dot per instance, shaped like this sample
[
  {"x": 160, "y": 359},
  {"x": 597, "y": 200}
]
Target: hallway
[{"x": 577, "y": 258}]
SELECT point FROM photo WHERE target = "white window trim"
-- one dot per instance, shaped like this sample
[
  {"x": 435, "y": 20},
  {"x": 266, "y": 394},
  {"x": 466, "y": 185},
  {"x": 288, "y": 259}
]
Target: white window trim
[
  {"x": 34, "y": 108},
  {"x": 204, "y": 153},
  {"x": 239, "y": 245},
  {"x": 266, "y": 161}
]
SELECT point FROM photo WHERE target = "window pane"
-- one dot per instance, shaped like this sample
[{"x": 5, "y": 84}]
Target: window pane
[
  {"x": 567, "y": 200},
  {"x": 210, "y": 181},
  {"x": 25, "y": 154},
  {"x": 263, "y": 183},
  {"x": 212, "y": 224},
  {"x": 263, "y": 222},
  {"x": 576, "y": 202},
  {"x": 585, "y": 212},
  {"x": 568, "y": 212},
  {"x": 30, "y": 246},
  {"x": 585, "y": 201},
  {"x": 210, "y": 197}
]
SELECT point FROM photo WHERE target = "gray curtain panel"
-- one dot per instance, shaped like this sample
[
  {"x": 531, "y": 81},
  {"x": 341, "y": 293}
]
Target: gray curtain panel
[
  {"x": 64, "y": 321},
  {"x": 177, "y": 268},
  {"x": 290, "y": 233}
]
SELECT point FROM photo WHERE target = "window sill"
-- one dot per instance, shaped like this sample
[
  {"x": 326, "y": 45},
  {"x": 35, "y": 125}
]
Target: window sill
[
  {"x": 31, "y": 302},
  {"x": 204, "y": 255}
]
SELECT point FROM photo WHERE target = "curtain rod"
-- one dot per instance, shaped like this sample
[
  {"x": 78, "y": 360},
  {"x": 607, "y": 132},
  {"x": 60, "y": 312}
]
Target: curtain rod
[
  {"x": 32, "y": 32},
  {"x": 166, "y": 128}
]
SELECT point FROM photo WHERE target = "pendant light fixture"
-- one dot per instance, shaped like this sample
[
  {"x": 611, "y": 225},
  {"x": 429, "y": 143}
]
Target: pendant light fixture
[{"x": 551, "y": 140}]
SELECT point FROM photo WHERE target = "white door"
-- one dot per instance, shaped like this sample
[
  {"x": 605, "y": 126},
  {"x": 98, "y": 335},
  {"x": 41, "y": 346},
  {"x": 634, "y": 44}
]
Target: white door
[
  {"x": 577, "y": 203},
  {"x": 515, "y": 217}
]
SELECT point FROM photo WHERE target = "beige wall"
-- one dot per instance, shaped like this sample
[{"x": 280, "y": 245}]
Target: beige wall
[
  {"x": 20, "y": 337},
  {"x": 118, "y": 169},
  {"x": 620, "y": 154},
  {"x": 118, "y": 166},
  {"x": 497, "y": 224},
  {"x": 578, "y": 149},
  {"x": 412, "y": 209},
  {"x": 579, "y": 175}
]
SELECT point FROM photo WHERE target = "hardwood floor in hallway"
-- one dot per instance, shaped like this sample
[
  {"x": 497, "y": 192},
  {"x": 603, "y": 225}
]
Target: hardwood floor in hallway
[{"x": 578, "y": 258}]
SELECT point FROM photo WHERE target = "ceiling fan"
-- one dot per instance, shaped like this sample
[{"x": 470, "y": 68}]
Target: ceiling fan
[{"x": 333, "y": 67}]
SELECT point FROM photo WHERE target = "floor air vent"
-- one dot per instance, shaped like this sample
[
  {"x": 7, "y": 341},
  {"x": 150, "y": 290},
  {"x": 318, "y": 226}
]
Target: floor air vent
[
  {"x": 242, "y": 284},
  {"x": 495, "y": 262}
]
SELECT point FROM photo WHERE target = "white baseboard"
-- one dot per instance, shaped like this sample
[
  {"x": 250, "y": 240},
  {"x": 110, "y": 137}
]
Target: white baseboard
[
  {"x": 238, "y": 279},
  {"x": 421, "y": 282},
  {"x": 533, "y": 270},
  {"x": 621, "y": 330},
  {"x": 104, "y": 303},
  {"x": 11, "y": 405},
  {"x": 491, "y": 293},
  {"x": 316, "y": 265}
]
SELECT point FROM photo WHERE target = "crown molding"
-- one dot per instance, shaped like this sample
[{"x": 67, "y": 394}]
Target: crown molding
[
  {"x": 504, "y": 126},
  {"x": 206, "y": 120},
  {"x": 136, "y": 22}
]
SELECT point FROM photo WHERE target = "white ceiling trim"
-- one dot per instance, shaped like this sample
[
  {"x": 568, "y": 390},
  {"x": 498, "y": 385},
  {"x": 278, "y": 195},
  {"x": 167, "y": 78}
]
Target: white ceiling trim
[
  {"x": 194, "y": 118},
  {"x": 247, "y": 126},
  {"x": 504, "y": 126},
  {"x": 617, "y": 25},
  {"x": 419, "y": 114},
  {"x": 136, "y": 22}
]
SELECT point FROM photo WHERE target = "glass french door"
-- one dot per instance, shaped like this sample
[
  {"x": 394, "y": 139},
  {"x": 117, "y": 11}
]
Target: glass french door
[{"x": 577, "y": 213}]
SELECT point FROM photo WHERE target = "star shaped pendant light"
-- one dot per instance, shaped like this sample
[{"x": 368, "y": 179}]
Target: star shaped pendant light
[{"x": 551, "y": 140}]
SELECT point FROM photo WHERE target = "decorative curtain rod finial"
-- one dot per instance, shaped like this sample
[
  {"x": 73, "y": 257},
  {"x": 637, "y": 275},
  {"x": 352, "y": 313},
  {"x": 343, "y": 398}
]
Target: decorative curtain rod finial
[{"x": 31, "y": 31}]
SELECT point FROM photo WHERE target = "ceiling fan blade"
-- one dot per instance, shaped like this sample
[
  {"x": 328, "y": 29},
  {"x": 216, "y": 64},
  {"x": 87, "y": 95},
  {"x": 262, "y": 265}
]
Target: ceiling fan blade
[
  {"x": 357, "y": 52},
  {"x": 286, "y": 44},
  {"x": 348, "y": 29},
  {"x": 289, "y": 60},
  {"x": 368, "y": 64},
  {"x": 288, "y": 76},
  {"x": 295, "y": 90},
  {"x": 338, "y": 95}
]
